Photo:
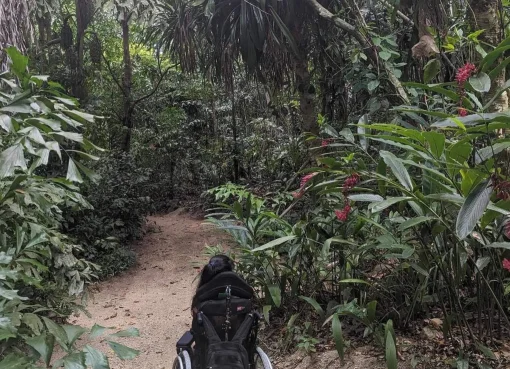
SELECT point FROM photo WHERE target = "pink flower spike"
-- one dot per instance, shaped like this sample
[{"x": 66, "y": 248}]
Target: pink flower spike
[
  {"x": 307, "y": 178},
  {"x": 506, "y": 264},
  {"x": 463, "y": 112}
]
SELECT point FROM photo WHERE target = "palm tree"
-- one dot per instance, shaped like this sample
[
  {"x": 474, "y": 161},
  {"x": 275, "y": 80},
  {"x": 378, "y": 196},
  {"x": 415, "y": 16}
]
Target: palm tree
[{"x": 15, "y": 26}]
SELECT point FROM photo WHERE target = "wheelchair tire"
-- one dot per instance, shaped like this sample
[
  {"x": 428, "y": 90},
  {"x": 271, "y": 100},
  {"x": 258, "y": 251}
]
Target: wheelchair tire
[
  {"x": 182, "y": 361},
  {"x": 262, "y": 358}
]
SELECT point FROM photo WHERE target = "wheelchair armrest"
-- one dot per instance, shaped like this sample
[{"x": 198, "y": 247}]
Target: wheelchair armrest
[{"x": 185, "y": 341}]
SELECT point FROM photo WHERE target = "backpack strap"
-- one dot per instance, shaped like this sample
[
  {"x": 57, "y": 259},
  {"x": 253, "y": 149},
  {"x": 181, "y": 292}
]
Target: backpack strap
[
  {"x": 244, "y": 329},
  {"x": 210, "y": 332}
]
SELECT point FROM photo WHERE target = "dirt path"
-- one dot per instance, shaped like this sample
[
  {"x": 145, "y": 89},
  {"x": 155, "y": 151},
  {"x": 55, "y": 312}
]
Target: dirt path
[{"x": 155, "y": 295}]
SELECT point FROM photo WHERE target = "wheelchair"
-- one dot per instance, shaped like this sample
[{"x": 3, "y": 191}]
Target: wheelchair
[{"x": 225, "y": 313}]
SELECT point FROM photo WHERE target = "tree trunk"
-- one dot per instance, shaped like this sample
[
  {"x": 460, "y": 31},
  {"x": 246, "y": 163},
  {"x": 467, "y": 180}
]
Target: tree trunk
[
  {"x": 484, "y": 14},
  {"x": 84, "y": 11},
  {"x": 127, "y": 117},
  {"x": 306, "y": 98},
  {"x": 428, "y": 14}
]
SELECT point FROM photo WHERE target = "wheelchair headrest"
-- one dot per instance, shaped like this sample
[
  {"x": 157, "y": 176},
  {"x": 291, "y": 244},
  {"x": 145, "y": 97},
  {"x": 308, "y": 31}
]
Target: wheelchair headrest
[{"x": 217, "y": 285}]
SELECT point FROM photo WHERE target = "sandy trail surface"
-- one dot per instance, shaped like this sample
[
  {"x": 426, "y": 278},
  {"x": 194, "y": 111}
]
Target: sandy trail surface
[{"x": 155, "y": 295}]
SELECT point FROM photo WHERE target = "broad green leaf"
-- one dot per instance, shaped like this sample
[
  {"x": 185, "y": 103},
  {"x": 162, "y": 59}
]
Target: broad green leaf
[
  {"x": 436, "y": 142},
  {"x": 353, "y": 280},
  {"x": 362, "y": 124},
  {"x": 318, "y": 309},
  {"x": 57, "y": 331},
  {"x": 274, "y": 243},
  {"x": 488, "y": 152},
  {"x": 431, "y": 70},
  {"x": 379, "y": 206},
  {"x": 398, "y": 169},
  {"x": 130, "y": 332},
  {"x": 365, "y": 197},
  {"x": 385, "y": 55},
  {"x": 372, "y": 85},
  {"x": 79, "y": 116},
  {"x": 473, "y": 208},
  {"x": 97, "y": 331},
  {"x": 6, "y": 123},
  {"x": 391, "y": 351},
  {"x": 266, "y": 309},
  {"x": 10, "y": 159},
  {"x": 5, "y": 334},
  {"x": 491, "y": 57},
  {"x": 74, "y": 361},
  {"x": 123, "y": 352},
  {"x": 15, "y": 361},
  {"x": 371, "y": 310},
  {"x": 499, "y": 245},
  {"x": 95, "y": 358},
  {"x": 19, "y": 62},
  {"x": 73, "y": 332},
  {"x": 10, "y": 294},
  {"x": 486, "y": 351},
  {"x": 33, "y": 322},
  {"x": 42, "y": 345},
  {"x": 414, "y": 222},
  {"x": 73, "y": 136},
  {"x": 73, "y": 174},
  {"x": 481, "y": 82},
  {"x": 336, "y": 327},
  {"x": 276, "y": 294}
]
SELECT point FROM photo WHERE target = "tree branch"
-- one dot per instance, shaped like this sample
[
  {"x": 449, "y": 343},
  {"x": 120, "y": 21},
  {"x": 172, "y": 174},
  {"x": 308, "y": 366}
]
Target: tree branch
[
  {"x": 137, "y": 101},
  {"x": 113, "y": 75},
  {"x": 363, "y": 41}
]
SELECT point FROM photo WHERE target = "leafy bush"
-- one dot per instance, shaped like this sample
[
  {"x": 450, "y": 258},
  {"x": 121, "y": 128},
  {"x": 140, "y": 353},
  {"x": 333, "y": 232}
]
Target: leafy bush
[
  {"x": 415, "y": 218},
  {"x": 41, "y": 273},
  {"x": 120, "y": 204}
]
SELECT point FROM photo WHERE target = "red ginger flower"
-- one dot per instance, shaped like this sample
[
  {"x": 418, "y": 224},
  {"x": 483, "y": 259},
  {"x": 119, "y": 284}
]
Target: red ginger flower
[
  {"x": 351, "y": 181},
  {"x": 506, "y": 264},
  {"x": 326, "y": 142},
  {"x": 307, "y": 178},
  {"x": 343, "y": 214},
  {"x": 462, "y": 112},
  {"x": 463, "y": 73}
]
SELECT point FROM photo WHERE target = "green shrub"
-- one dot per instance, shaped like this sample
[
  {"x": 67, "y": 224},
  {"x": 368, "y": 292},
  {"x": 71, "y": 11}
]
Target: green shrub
[
  {"x": 41, "y": 272},
  {"x": 120, "y": 204}
]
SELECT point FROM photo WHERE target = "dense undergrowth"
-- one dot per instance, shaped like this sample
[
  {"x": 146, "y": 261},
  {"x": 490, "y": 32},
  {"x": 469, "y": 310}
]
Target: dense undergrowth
[
  {"x": 355, "y": 150},
  {"x": 397, "y": 223}
]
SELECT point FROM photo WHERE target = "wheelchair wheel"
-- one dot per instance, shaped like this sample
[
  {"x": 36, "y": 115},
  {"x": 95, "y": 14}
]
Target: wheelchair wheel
[
  {"x": 182, "y": 361},
  {"x": 262, "y": 360}
]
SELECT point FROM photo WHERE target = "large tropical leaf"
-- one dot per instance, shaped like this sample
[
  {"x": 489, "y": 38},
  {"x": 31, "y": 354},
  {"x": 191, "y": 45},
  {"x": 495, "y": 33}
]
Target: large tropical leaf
[
  {"x": 473, "y": 208},
  {"x": 398, "y": 169}
]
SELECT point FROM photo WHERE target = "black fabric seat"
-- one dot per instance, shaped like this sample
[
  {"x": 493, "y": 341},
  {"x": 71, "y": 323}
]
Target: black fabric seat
[
  {"x": 216, "y": 286},
  {"x": 211, "y": 301}
]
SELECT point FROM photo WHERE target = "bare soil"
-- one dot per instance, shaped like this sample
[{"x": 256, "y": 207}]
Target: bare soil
[{"x": 155, "y": 297}]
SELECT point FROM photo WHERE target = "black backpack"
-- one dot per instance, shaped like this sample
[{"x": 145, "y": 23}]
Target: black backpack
[{"x": 227, "y": 354}]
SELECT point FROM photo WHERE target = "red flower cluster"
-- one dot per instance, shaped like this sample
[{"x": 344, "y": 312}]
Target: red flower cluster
[
  {"x": 343, "y": 214},
  {"x": 463, "y": 73},
  {"x": 299, "y": 194},
  {"x": 326, "y": 142},
  {"x": 306, "y": 178},
  {"x": 462, "y": 112},
  {"x": 351, "y": 181},
  {"x": 506, "y": 264},
  {"x": 502, "y": 189},
  {"x": 506, "y": 230}
]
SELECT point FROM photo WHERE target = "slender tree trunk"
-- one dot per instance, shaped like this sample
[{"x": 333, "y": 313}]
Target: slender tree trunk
[
  {"x": 127, "y": 117},
  {"x": 484, "y": 14},
  {"x": 83, "y": 18},
  {"x": 307, "y": 97}
]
